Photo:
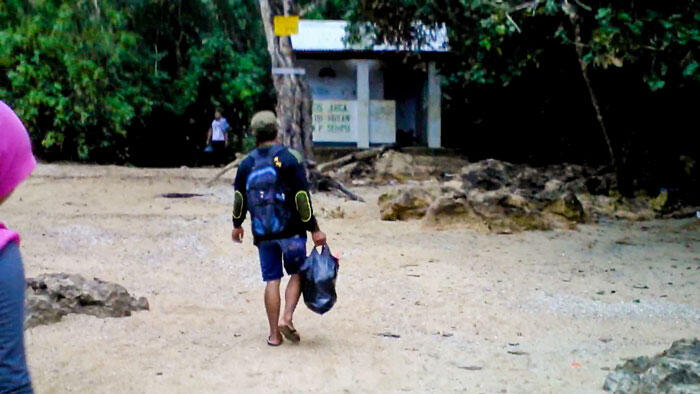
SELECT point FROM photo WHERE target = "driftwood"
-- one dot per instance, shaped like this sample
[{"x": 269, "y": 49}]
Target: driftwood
[
  {"x": 317, "y": 180},
  {"x": 326, "y": 183},
  {"x": 226, "y": 169},
  {"x": 351, "y": 158},
  {"x": 320, "y": 181}
]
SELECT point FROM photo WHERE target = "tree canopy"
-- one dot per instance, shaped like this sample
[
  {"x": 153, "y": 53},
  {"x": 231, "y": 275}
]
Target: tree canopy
[
  {"x": 92, "y": 79},
  {"x": 137, "y": 80},
  {"x": 496, "y": 40},
  {"x": 519, "y": 80}
]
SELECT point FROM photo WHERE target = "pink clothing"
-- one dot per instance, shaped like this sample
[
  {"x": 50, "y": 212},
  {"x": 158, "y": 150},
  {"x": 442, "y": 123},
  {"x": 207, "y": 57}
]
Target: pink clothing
[{"x": 16, "y": 160}]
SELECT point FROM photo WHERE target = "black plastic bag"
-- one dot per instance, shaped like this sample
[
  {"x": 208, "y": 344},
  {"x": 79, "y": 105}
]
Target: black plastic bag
[{"x": 318, "y": 274}]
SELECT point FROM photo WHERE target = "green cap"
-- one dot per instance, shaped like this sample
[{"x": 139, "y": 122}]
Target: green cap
[{"x": 263, "y": 121}]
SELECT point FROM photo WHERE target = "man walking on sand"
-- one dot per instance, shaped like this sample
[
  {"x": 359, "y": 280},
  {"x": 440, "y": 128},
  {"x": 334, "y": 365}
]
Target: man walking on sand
[{"x": 271, "y": 184}]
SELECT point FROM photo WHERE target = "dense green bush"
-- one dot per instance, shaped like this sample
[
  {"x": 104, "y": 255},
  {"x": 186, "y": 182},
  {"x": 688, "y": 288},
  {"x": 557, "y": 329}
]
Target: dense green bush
[
  {"x": 113, "y": 80},
  {"x": 515, "y": 87},
  {"x": 137, "y": 80}
]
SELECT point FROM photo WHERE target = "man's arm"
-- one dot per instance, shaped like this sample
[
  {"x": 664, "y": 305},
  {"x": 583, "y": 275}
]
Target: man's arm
[
  {"x": 240, "y": 205},
  {"x": 227, "y": 127},
  {"x": 209, "y": 136},
  {"x": 302, "y": 199}
]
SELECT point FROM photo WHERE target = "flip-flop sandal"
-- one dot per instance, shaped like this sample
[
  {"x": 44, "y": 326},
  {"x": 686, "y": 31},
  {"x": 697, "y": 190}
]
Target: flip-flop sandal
[
  {"x": 273, "y": 344},
  {"x": 290, "y": 334}
]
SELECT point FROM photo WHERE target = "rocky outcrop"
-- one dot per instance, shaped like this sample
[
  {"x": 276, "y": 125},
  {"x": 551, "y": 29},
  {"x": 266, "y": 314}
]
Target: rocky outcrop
[
  {"x": 400, "y": 167},
  {"x": 676, "y": 370},
  {"x": 488, "y": 175},
  {"x": 503, "y": 197},
  {"x": 50, "y": 297},
  {"x": 358, "y": 172},
  {"x": 409, "y": 203},
  {"x": 451, "y": 208},
  {"x": 493, "y": 196},
  {"x": 379, "y": 166},
  {"x": 567, "y": 206}
]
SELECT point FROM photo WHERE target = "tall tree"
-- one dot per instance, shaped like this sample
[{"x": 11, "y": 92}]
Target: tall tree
[
  {"x": 294, "y": 96},
  {"x": 497, "y": 42},
  {"x": 136, "y": 80},
  {"x": 293, "y": 91}
]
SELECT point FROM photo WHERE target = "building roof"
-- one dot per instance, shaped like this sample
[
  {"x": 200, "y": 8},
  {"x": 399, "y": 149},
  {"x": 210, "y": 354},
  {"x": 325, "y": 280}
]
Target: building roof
[{"x": 332, "y": 36}]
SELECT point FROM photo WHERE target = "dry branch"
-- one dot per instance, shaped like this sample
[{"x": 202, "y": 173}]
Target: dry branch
[
  {"x": 351, "y": 158},
  {"x": 226, "y": 169},
  {"x": 327, "y": 183}
]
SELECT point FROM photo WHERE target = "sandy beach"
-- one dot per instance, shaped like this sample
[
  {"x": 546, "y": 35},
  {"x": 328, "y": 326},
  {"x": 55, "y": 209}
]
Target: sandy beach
[{"x": 419, "y": 309}]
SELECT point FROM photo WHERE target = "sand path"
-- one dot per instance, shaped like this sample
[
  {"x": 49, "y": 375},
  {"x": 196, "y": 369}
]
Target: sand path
[{"x": 533, "y": 312}]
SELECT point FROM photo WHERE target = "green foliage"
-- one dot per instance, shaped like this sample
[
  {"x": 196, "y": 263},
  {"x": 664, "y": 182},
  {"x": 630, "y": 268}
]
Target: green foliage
[
  {"x": 62, "y": 74},
  {"x": 88, "y": 76},
  {"x": 115, "y": 79},
  {"x": 496, "y": 41},
  {"x": 325, "y": 9},
  {"x": 514, "y": 87}
]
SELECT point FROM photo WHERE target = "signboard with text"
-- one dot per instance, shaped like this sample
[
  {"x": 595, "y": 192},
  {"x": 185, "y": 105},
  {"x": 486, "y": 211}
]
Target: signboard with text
[{"x": 334, "y": 121}]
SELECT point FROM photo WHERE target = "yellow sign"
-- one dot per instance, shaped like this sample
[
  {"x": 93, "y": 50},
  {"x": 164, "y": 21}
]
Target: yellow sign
[{"x": 286, "y": 25}]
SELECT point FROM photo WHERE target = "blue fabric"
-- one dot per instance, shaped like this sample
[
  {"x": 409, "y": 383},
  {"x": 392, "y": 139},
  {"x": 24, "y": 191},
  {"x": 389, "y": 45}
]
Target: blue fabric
[
  {"x": 267, "y": 201},
  {"x": 14, "y": 376},
  {"x": 293, "y": 250}
]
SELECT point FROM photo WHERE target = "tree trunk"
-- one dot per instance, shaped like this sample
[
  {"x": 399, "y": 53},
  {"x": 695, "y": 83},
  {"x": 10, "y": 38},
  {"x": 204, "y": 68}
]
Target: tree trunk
[
  {"x": 294, "y": 97},
  {"x": 293, "y": 91}
]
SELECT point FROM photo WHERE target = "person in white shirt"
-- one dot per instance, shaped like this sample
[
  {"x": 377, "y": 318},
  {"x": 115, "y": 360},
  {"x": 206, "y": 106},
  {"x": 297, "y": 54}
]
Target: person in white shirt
[{"x": 217, "y": 136}]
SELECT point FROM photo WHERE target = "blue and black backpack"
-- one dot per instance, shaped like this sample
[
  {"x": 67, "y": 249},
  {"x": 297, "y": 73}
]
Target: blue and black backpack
[{"x": 266, "y": 195}]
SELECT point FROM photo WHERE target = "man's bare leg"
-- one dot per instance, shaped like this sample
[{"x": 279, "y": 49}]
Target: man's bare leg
[
  {"x": 272, "y": 306},
  {"x": 291, "y": 299}
]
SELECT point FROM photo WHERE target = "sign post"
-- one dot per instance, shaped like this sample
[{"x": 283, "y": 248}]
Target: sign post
[{"x": 286, "y": 25}]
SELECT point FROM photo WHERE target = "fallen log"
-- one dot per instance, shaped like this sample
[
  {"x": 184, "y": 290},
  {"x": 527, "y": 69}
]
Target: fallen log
[
  {"x": 326, "y": 183},
  {"x": 351, "y": 158},
  {"x": 317, "y": 180}
]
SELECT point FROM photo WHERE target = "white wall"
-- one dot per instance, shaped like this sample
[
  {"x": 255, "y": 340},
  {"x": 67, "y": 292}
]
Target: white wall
[
  {"x": 341, "y": 116},
  {"x": 334, "y": 121},
  {"x": 382, "y": 122},
  {"x": 342, "y": 87},
  {"x": 417, "y": 100}
]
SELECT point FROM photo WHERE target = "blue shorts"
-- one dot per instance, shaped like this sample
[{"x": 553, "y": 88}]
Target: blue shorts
[{"x": 293, "y": 250}]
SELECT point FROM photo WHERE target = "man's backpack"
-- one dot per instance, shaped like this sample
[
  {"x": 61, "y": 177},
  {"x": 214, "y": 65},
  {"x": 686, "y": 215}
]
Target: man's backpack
[{"x": 266, "y": 195}]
